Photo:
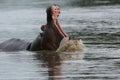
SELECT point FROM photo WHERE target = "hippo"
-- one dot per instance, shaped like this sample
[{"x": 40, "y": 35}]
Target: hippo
[{"x": 49, "y": 39}]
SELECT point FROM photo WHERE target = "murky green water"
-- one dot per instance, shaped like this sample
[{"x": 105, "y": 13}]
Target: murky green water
[{"x": 97, "y": 26}]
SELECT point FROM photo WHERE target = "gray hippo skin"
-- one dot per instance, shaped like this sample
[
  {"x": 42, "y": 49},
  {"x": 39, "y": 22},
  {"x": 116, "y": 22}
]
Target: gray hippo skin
[
  {"x": 14, "y": 45},
  {"x": 21, "y": 45}
]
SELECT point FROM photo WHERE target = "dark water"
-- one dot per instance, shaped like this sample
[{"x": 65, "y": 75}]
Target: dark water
[{"x": 97, "y": 26}]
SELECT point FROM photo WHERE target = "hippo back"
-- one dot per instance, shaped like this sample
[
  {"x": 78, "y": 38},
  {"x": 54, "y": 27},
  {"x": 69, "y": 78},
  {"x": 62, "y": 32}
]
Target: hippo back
[{"x": 14, "y": 45}]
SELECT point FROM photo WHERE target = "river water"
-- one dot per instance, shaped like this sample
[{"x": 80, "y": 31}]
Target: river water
[{"x": 97, "y": 26}]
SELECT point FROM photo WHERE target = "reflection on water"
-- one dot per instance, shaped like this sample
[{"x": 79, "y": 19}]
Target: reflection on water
[
  {"x": 51, "y": 66},
  {"x": 52, "y": 61},
  {"x": 43, "y": 65}
]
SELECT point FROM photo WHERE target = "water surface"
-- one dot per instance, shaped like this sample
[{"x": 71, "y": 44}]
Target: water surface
[{"x": 97, "y": 26}]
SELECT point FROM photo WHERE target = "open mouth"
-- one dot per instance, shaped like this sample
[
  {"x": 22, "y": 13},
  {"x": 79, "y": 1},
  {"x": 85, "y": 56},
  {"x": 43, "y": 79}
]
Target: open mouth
[{"x": 60, "y": 30}]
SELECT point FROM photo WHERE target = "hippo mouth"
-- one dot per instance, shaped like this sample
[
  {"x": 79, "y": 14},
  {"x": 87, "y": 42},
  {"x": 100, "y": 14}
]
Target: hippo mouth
[{"x": 61, "y": 31}]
